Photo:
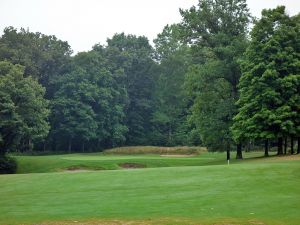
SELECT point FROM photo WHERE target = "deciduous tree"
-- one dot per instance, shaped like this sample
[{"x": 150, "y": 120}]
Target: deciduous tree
[
  {"x": 269, "y": 104},
  {"x": 216, "y": 30},
  {"x": 23, "y": 109}
]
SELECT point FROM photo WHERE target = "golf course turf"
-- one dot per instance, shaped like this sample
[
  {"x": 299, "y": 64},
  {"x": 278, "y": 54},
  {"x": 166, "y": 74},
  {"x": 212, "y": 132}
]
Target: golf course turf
[{"x": 253, "y": 191}]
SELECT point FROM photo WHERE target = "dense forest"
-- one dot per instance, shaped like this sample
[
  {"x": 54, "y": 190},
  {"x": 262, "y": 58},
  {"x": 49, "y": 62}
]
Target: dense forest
[{"x": 220, "y": 78}]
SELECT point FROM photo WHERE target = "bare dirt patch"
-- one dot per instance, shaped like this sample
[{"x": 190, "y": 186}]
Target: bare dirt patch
[{"x": 132, "y": 165}]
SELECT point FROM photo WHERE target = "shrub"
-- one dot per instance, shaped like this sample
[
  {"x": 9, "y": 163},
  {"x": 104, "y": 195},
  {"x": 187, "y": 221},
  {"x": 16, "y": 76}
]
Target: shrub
[{"x": 7, "y": 165}]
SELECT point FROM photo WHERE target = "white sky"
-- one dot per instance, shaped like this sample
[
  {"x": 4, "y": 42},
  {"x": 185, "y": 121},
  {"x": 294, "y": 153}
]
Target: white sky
[{"x": 84, "y": 23}]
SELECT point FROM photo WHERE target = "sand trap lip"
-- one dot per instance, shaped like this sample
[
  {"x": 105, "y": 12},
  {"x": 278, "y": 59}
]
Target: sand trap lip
[
  {"x": 132, "y": 165},
  {"x": 177, "y": 156},
  {"x": 78, "y": 170}
]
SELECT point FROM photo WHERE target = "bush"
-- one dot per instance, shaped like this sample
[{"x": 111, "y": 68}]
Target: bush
[{"x": 7, "y": 165}]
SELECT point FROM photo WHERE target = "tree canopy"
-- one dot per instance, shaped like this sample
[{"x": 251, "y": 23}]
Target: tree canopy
[
  {"x": 205, "y": 81},
  {"x": 269, "y": 101},
  {"x": 23, "y": 109},
  {"x": 217, "y": 33}
]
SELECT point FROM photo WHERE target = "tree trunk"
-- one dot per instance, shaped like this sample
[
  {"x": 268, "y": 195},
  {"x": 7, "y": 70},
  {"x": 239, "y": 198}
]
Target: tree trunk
[
  {"x": 228, "y": 151},
  {"x": 30, "y": 145},
  {"x": 239, "y": 154},
  {"x": 285, "y": 145},
  {"x": 248, "y": 146},
  {"x": 44, "y": 146},
  {"x": 55, "y": 145},
  {"x": 298, "y": 148},
  {"x": 292, "y": 145},
  {"x": 83, "y": 146},
  {"x": 170, "y": 134},
  {"x": 70, "y": 145},
  {"x": 98, "y": 143},
  {"x": 279, "y": 146},
  {"x": 266, "y": 147}
]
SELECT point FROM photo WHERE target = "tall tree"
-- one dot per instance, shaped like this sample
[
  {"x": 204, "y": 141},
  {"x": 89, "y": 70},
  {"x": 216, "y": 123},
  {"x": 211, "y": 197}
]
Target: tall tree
[
  {"x": 134, "y": 55},
  {"x": 217, "y": 33},
  {"x": 212, "y": 108},
  {"x": 88, "y": 107},
  {"x": 111, "y": 100},
  {"x": 171, "y": 101},
  {"x": 44, "y": 56},
  {"x": 23, "y": 109},
  {"x": 269, "y": 104},
  {"x": 72, "y": 116}
]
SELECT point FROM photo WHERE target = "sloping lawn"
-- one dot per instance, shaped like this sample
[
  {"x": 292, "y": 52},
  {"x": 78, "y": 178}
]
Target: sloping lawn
[
  {"x": 99, "y": 161},
  {"x": 246, "y": 193},
  {"x": 55, "y": 163}
]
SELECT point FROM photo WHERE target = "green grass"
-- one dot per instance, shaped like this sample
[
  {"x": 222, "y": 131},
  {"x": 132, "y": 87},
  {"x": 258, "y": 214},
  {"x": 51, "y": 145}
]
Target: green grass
[
  {"x": 103, "y": 161},
  {"x": 37, "y": 164},
  {"x": 254, "y": 191}
]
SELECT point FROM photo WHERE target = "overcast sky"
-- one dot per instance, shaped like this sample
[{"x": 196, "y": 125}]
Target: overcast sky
[{"x": 84, "y": 23}]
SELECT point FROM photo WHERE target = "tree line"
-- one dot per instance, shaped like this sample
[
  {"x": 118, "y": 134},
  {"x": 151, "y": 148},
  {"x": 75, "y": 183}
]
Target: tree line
[{"x": 220, "y": 78}]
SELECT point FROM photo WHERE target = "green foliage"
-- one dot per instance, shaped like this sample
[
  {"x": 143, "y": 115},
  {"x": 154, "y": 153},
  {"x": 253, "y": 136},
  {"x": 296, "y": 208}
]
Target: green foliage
[
  {"x": 269, "y": 104},
  {"x": 182, "y": 92},
  {"x": 44, "y": 57},
  {"x": 171, "y": 100},
  {"x": 23, "y": 110},
  {"x": 215, "y": 27},
  {"x": 7, "y": 165},
  {"x": 168, "y": 42},
  {"x": 213, "y": 103},
  {"x": 133, "y": 55},
  {"x": 216, "y": 31},
  {"x": 89, "y": 104}
]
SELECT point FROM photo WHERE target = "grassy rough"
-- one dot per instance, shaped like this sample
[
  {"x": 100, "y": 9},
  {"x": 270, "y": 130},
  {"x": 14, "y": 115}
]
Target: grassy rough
[
  {"x": 253, "y": 192},
  {"x": 133, "y": 150}
]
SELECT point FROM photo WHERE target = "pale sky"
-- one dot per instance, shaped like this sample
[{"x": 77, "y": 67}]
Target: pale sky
[{"x": 84, "y": 23}]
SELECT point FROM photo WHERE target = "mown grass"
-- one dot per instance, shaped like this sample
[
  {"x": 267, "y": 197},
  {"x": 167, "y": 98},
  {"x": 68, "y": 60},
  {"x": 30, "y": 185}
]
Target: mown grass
[
  {"x": 56, "y": 163},
  {"x": 111, "y": 159},
  {"x": 252, "y": 192},
  {"x": 103, "y": 161}
]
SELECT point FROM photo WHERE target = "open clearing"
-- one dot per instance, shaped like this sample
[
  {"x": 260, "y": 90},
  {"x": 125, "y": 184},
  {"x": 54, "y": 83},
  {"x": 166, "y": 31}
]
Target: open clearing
[{"x": 254, "y": 191}]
